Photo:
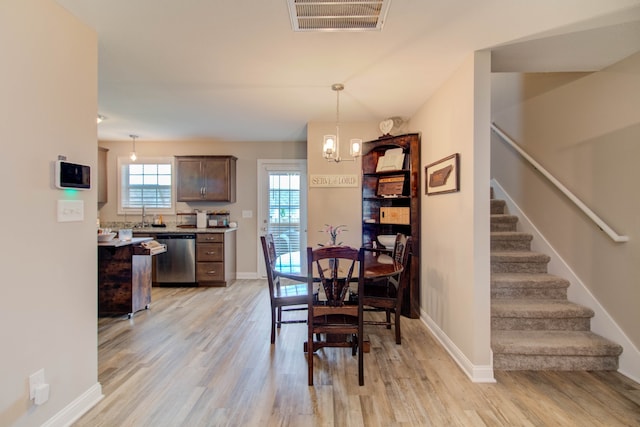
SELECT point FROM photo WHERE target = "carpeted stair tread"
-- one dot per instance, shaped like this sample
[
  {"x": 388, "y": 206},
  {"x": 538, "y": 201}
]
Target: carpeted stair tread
[
  {"x": 541, "y": 308},
  {"x": 565, "y": 343}
]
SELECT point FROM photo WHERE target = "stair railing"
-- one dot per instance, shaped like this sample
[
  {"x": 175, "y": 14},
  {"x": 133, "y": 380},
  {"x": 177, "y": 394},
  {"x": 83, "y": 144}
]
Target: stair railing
[{"x": 595, "y": 218}]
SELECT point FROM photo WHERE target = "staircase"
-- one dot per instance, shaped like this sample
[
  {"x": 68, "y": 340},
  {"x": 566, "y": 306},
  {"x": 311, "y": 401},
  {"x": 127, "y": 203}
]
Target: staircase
[{"x": 533, "y": 325}]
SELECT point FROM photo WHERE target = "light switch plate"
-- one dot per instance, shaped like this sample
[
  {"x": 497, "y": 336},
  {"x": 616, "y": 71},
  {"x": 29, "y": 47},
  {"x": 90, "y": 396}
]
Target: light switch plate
[
  {"x": 70, "y": 210},
  {"x": 247, "y": 214}
]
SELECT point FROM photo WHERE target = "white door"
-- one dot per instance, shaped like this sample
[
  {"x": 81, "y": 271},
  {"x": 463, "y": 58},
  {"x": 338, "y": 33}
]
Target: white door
[{"x": 282, "y": 211}]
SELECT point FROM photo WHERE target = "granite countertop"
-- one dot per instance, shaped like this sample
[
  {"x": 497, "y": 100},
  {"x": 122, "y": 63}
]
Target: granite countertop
[
  {"x": 115, "y": 243},
  {"x": 175, "y": 229}
]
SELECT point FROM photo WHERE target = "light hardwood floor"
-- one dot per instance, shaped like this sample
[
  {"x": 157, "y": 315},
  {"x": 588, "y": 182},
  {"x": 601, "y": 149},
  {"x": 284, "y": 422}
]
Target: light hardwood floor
[{"x": 202, "y": 357}]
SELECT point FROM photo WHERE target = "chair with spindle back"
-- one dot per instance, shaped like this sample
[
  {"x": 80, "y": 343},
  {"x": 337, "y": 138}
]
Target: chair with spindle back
[
  {"x": 329, "y": 314},
  {"x": 282, "y": 293},
  {"x": 386, "y": 294}
]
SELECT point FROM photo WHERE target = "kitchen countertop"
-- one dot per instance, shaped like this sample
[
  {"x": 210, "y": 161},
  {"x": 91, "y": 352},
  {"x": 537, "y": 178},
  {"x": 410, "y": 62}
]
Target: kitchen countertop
[
  {"x": 115, "y": 243},
  {"x": 174, "y": 229}
]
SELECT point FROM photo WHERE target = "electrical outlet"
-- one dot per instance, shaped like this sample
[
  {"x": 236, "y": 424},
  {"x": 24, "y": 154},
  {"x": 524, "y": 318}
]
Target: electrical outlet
[{"x": 35, "y": 379}]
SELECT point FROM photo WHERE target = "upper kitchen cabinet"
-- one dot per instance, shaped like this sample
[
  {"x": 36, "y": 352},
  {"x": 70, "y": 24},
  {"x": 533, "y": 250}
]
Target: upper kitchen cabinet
[
  {"x": 102, "y": 174},
  {"x": 206, "y": 178}
]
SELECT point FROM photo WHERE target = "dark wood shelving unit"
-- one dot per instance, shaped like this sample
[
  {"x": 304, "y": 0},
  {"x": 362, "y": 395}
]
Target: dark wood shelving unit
[{"x": 398, "y": 213}]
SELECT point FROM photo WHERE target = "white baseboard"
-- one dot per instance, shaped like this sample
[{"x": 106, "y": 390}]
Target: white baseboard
[
  {"x": 73, "y": 411},
  {"x": 602, "y": 323},
  {"x": 476, "y": 373},
  {"x": 247, "y": 276}
]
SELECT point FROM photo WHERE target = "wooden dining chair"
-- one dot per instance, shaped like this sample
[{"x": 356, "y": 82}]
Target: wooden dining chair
[
  {"x": 332, "y": 321},
  {"x": 386, "y": 294},
  {"x": 283, "y": 292}
]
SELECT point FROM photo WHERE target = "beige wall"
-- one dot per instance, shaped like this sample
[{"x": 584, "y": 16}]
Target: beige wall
[
  {"x": 455, "y": 293},
  {"x": 48, "y": 82},
  {"x": 336, "y": 206},
  {"x": 247, "y": 153},
  {"x": 584, "y": 129}
]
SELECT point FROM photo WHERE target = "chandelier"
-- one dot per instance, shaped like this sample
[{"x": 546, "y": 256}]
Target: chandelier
[{"x": 331, "y": 143}]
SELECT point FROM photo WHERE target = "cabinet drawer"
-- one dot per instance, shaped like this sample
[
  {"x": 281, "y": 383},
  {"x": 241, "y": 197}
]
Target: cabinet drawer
[
  {"x": 210, "y": 252},
  {"x": 209, "y": 238},
  {"x": 210, "y": 272}
]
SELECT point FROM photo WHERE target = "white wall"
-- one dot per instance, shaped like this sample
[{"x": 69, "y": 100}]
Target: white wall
[
  {"x": 48, "y": 82},
  {"x": 335, "y": 205},
  {"x": 455, "y": 290}
]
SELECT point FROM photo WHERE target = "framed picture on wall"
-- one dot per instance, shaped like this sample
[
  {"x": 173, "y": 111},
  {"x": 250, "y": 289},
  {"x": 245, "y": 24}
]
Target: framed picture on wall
[{"x": 443, "y": 176}]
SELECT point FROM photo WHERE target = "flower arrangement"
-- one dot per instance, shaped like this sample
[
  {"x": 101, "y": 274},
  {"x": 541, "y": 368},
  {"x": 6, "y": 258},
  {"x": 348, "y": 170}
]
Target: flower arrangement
[{"x": 333, "y": 233}]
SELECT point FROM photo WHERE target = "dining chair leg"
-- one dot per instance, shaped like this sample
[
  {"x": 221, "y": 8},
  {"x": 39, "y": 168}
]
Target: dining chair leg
[
  {"x": 398, "y": 336},
  {"x": 273, "y": 325},
  {"x": 360, "y": 359},
  {"x": 388, "y": 312},
  {"x": 310, "y": 357},
  {"x": 279, "y": 316}
]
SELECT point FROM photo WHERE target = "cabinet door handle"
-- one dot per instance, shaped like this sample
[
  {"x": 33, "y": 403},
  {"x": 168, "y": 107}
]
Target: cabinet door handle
[
  {"x": 211, "y": 253},
  {"x": 211, "y": 272}
]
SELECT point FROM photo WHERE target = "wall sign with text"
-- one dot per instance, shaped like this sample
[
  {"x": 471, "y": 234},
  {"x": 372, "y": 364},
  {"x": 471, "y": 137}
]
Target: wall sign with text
[{"x": 333, "y": 181}]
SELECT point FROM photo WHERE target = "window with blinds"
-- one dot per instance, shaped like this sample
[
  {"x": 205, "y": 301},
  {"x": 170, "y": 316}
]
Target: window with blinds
[
  {"x": 148, "y": 183},
  {"x": 284, "y": 218}
]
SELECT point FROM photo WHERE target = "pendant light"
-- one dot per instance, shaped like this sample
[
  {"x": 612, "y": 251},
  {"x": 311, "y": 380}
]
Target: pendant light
[
  {"x": 133, "y": 155},
  {"x": 331, "y": 143}
]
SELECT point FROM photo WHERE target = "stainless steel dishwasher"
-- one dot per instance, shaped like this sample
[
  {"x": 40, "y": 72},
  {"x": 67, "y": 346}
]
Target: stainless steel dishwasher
[{"x": 178, "y": 264}]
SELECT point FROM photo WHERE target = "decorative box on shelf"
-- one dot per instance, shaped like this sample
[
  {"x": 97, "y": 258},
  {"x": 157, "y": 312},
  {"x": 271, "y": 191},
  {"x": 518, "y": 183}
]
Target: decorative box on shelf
[
  {"x": 395, "y": 215},
  {"x": 391, "y": 185}
]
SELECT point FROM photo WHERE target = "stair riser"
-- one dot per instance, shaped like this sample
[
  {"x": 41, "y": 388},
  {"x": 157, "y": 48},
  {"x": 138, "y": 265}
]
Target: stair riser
[
  {"x": 540, "y": 293},
  {"x": 503, "y": 226},
  {"x": 511, "y": 245},
  {"x": 513, "y": 362},
  {"x": 546, "y": 324},
  {"x": 497, "y": 207},
  {"x": 518, "y": 267}
]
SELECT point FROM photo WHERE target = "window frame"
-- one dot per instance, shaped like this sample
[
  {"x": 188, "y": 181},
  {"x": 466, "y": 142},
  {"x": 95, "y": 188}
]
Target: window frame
[{"x": 126, "y": 161}]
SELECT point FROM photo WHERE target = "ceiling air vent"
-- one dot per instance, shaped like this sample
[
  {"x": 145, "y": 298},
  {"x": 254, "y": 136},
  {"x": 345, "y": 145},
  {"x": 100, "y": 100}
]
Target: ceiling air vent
[{"x": 338, "y": 15}]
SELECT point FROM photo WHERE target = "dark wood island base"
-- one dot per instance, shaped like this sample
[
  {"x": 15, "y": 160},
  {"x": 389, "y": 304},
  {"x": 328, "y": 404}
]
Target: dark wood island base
[{"x": 124, "y": 277}]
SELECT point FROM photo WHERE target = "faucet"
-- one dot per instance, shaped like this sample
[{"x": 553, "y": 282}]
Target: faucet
[{"x": 142, "y": 223}]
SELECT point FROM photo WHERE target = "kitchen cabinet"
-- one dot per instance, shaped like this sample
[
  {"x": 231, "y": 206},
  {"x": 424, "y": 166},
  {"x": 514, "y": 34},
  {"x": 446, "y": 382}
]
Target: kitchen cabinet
[
  {"x": 206, "y": 178},
  {"x": 216, "y": 258},
  {"x": 391, "y": 203},
  {"x": 102, "y": 174}
]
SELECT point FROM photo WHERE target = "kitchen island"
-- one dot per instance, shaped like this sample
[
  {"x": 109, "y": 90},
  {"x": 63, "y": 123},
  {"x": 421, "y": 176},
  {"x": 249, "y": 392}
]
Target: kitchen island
[{"x": 124, "y": 276}]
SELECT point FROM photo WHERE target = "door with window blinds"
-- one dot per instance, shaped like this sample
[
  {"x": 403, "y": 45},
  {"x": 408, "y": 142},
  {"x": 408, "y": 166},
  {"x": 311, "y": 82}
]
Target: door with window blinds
[
  {"x": 284, "y": 221},
  {"x": 282, "y": 211}
]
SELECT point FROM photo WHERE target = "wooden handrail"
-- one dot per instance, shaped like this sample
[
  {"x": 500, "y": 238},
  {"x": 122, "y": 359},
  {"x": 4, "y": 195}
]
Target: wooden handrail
[{"x": 595, "y": 218}]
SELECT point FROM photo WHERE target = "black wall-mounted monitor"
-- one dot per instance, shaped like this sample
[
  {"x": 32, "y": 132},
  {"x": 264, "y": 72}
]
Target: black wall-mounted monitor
[{"x": 72, "y": 175}]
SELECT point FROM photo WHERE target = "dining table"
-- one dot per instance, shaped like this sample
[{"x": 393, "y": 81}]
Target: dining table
[{"x": 377, "y": 265}]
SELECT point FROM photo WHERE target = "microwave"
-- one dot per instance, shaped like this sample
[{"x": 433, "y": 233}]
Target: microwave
[{"x": 72, "y": 175}]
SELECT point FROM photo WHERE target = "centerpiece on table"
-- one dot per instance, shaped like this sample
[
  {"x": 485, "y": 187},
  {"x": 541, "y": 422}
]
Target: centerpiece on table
[{"x": 333, "y": 233}]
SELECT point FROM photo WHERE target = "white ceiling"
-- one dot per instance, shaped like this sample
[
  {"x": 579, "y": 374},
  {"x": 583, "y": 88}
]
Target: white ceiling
[{"x": 234, "y": 70}]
